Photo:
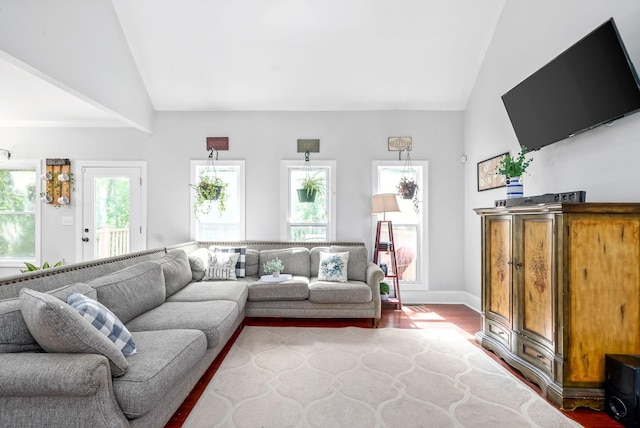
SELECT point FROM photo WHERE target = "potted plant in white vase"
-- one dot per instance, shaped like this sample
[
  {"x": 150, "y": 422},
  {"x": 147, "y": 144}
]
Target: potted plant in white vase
[
  {"x": 273, "y": 266},
  {"x": 513, "y": 168},
  {"x": 384, "y": 291}
]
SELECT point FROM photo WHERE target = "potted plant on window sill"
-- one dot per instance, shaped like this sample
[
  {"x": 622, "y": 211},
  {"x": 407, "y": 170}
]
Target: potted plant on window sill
[
  {"x": 310, "y": 186},
  {"x": 207, "y": 190}
]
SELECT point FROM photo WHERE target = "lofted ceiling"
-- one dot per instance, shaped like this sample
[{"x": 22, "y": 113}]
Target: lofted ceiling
[{"x": 305, "y": 55}]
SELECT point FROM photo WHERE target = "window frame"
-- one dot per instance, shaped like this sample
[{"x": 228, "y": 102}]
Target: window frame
[
  {"x": 193, "y": 178},
  {"x": 18, "y": 262},
  {"x": 422, "y": 251},
  {"x": 285, "y": 202}
]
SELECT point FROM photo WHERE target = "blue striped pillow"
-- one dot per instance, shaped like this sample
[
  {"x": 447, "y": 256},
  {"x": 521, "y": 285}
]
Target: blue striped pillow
[{"x": 104, "y": 320}]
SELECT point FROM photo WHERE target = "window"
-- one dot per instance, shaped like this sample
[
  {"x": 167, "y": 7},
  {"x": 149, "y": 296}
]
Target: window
[
  {"x": 228, "y": 225},
  {"x": 409, "y": 231},
  {"x": 308, "y": 221},
  {"x": 19, "y": 213}
]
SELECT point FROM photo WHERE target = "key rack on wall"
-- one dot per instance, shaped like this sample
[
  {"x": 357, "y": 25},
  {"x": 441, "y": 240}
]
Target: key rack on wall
[{"x": 58, "y": 181}]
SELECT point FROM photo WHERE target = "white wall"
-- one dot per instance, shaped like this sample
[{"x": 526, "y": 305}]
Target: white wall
[
  {"x": 603, "y": 162},
  {"x": 353, "y": 139},
  {"x": 77, "y": 45}
]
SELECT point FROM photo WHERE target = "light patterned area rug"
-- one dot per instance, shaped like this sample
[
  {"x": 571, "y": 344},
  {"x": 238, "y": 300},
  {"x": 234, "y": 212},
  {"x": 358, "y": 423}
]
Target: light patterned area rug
[{"x": 353, "y": 377}]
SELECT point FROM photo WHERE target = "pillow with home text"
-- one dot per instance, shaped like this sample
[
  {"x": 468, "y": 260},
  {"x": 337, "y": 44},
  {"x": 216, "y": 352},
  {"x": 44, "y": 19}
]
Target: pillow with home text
[{"x": 222, "y": 266}]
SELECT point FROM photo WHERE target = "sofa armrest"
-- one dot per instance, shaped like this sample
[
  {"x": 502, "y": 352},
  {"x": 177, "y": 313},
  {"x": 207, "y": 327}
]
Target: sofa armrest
[
  {"x": 26, "y": 374},
  {"x": 62, "y": 390},
  {"x": 374, "y": 277}
]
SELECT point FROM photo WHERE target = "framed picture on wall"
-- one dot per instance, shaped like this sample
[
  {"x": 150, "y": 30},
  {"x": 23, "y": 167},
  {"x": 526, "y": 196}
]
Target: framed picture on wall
[{"x": 488, "y": 177}]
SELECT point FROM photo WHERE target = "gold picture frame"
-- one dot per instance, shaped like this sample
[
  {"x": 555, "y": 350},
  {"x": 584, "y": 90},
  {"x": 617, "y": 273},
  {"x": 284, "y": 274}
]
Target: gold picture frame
[{"x": 488, "y": 177}]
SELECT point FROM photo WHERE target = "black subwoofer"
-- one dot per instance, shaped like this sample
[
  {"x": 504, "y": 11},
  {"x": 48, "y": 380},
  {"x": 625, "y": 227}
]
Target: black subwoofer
[{"x": 622, "y": 388}]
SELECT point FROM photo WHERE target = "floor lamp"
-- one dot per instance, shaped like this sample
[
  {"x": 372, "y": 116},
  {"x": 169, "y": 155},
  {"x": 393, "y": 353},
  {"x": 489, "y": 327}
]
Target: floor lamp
[{"x": 385, "y": 203}]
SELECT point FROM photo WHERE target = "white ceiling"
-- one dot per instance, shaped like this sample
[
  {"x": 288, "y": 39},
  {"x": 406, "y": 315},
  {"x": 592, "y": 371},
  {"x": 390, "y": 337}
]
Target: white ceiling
[{"x": 282, "y": 55}]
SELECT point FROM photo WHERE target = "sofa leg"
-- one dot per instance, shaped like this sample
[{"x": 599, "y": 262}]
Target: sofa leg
[{"x": 376, "y": 322}]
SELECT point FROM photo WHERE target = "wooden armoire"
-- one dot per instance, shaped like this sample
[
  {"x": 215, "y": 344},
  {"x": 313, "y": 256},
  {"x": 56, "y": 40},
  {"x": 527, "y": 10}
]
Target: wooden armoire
[{"x": 560, "y": 289}]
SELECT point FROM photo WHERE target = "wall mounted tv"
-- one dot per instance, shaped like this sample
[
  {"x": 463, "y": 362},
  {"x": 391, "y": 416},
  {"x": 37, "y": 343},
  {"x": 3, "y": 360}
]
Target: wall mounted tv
[{"x": 591, "y": 83}]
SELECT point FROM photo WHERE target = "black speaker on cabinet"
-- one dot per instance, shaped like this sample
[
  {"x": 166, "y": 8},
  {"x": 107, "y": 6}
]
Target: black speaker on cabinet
[{"x": 622, "y": 388}]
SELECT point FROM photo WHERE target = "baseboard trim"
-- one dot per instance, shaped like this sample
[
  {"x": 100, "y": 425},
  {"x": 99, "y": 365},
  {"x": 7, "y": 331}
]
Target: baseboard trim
[{"x": 410, "y": 297}]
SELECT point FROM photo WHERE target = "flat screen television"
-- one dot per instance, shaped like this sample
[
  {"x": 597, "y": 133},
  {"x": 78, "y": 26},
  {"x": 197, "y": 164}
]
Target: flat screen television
[{"x": 591, "y": 83}]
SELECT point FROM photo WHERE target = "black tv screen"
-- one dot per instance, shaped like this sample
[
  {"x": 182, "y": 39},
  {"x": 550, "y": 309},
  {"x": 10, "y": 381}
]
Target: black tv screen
[{"x": 591, "y": 83}]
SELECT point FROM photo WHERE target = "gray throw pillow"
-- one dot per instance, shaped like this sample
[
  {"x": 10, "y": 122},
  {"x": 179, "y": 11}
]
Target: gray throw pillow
[
  {"x": 14, "y": 334},
  {"x": 199, "y": 260},
  {"x": 57, "y": 327}
]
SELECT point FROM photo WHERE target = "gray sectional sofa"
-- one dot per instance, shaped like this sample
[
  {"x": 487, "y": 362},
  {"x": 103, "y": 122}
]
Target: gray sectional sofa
[{"x": 56, "y": 369}]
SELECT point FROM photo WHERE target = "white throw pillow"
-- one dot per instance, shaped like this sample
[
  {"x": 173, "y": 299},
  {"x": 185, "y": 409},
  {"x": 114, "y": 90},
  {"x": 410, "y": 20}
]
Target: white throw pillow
[
  {"x": 333, "y": 266},
  {"x": 222, "y": 266}
]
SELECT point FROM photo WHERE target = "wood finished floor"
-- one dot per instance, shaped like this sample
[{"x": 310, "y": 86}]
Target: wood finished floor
[{"x": 459, "y": 317}]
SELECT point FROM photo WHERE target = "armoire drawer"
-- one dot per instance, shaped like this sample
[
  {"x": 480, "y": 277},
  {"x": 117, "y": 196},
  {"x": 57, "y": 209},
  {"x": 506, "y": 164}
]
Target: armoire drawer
[
  {"x": 499, "y": 332},
  {"x": 536, "y": 354}
]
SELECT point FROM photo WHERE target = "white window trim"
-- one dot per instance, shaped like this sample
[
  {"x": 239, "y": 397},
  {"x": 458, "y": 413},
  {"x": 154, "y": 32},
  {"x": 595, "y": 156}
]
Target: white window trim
[
  {"x": 36, "y": 165},
  {"x": 241, "y": 186},
  {"x": 285, "y": 166},
  {"x": 423, "y": 248}
]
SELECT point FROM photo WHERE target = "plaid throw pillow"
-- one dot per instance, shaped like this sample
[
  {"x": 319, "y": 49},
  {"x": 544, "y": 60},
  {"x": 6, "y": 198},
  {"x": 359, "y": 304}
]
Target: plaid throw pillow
[
  {"x": 104, "y": 320},
  {"x": 242, "y": 257}
]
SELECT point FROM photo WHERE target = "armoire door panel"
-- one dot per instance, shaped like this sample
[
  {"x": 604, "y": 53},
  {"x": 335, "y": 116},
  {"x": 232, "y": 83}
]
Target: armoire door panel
[
  {"x": 536, "y": 267},
  {"x": 604, "y": 288},
  {"x": 499, "y": 267}
]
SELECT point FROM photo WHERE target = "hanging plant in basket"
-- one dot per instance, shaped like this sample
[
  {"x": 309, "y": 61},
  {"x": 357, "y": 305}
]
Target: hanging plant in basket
[
  {"x": 208, "y": 190},
  {"x": 408, "y": 187},
  {"x": 310, "y": 186}
]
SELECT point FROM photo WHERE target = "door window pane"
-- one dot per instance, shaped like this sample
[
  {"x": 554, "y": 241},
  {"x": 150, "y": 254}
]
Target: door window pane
[{"x": 112, "y": 214}]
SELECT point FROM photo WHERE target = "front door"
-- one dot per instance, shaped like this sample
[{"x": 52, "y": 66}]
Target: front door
[{"x": 112, "y": 221}]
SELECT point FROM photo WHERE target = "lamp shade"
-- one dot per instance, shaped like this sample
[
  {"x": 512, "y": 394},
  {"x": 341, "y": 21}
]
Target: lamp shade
[{"x": 384, "y": 203}]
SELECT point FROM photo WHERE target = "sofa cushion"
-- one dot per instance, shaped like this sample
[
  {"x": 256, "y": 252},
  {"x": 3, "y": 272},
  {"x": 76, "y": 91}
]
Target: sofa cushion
[
  {"x": 236, "y": 291},
  {"x": 333, "y": 266},
  {"x": 176, "y": 270},
  {"x": 358, "y": 261},
  {"x": 131, "y": 291},
  {"x": 59, "y": 328},
  {"x": 222, "y": 266},
  {"x": 295, "y": 260},
  {"x": 14, "y": 334},
  {"x": 314, "y": 259},
  {"x": 242, "y": 259},
  {"x": 104, "y": 321},
  {"x": 252, "y": 262},
  {"x": 213, "y": 318},
  {"x": 297, "y": 288},
  {"x": 339, "y": 292},
  {"x": 164, "y": 358}
]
